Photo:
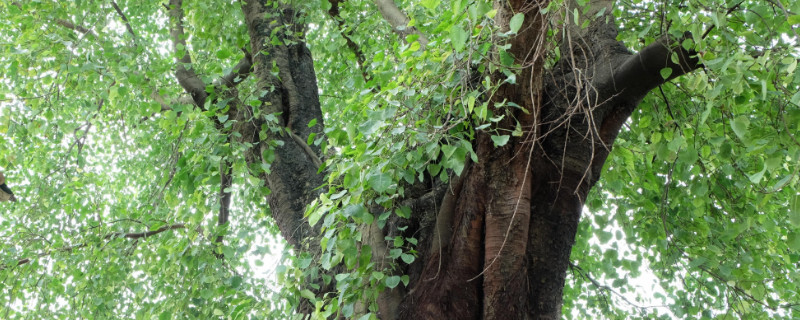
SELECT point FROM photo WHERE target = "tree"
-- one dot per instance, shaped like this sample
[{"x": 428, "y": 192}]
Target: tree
[{"x": 432, "y": 160}]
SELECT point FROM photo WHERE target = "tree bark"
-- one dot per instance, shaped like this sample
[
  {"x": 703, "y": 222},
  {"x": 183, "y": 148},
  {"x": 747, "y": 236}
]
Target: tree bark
[
  {"x": 499, "y": 245},
  {"x": 291, "y": 94}
]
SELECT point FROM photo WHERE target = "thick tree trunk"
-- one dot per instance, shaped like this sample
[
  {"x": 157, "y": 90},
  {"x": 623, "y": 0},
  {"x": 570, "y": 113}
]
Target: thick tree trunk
[
  {"x": 499, "y": 245},
  {"x": 292, "y": 96}
]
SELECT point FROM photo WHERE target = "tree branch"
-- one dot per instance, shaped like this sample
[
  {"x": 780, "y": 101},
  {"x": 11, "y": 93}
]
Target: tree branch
[
  {"x": 64, "y": 23},
  {"x": 399, "y": 21},
  {"x": 74, "y": 27},
  {"x": 135, "y": 235},
  {"x": 705, "y": 34},
  {"x": 154, "y": 95},
  {"x": 187, "y": 78},
  {"x": 139, "y": 235},
  {"x": 225, "y": 167},
  {"x": 239, "y": 72},
  {"x": 164, "y": 105},
  {"x": 124, "y": 19},
  {"x": 597, "y": 284},
  {"x": 641, "y": 72},
  {"x": 347, "y": 35},
  {"x": 184, "y": 71}
]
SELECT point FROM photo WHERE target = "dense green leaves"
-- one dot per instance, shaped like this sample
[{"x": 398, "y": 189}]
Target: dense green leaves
[
  {"x": 700, "y": 186},
  {"x": 699, "y": 202}
]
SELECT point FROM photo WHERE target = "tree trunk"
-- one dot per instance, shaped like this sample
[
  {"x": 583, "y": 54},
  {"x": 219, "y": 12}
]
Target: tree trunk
[{"x": 501, "y": 241}]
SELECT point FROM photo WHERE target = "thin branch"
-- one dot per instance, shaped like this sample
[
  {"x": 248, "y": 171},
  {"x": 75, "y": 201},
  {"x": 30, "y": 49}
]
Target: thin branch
[
  {"x": 742, "y": 293},
  {"x": 185, "y": 99},
  {"x": 135, "y": 235},
  {"x": 786, "y": 14},
  {"x": 347, "y": 34},
  {"x": 597, "y": 284},
  {"x": 666, "y": 102},
  {"x": 81, "y": 29},
  {"x": 74, "y": 27},
  {"x": 726, "y": 13},
  {"x": 225, "y": 168},
  {"x": 124, "y": 19},
  {"x": 79, "y": 141},
  {"x": 139, "y": 235},
  {"x": 64, "y": 23}
]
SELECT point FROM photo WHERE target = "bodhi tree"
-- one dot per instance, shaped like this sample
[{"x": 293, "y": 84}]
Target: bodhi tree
[{"x": 421, "y": 159}]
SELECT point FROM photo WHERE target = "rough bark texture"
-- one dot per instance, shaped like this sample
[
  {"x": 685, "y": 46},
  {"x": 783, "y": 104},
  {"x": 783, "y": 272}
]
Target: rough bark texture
[
  {"x": 292, "y": 95},
  {"x": 495, "y": 242}
]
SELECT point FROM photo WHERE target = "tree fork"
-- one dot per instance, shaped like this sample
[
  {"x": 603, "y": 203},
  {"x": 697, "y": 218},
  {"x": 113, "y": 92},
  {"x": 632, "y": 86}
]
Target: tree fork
[{"x": 500, "y": 245}]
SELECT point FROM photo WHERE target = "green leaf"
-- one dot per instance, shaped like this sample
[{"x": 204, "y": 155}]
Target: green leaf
[
  {"x": 794, "y": 241},
  {"x": 236, "y": 281},
  {"x": 575, "y": 15},
  {"x": 457, "y": 160},
  {"x": 392, "y": 281},
  {"x": 354, "y": 210},
  {"x": 367, "y": 316},
  {"x": 305, "y": 293},
  {"x": 740, "y": 125},
  {"x": 314, "y": 217},
  {"x": 458, "y": 37},
  {"x": 500, "y": 141},
  {"x": 223, "y": 53},
  {"x": 407, "y": 258},
  {"x": 794, "y": 19},
  {"x": 430, "y": 4},
  {"x": 403, "y": 212},
  {"x": 697, "y": 262},
  {"x": 380, "y": 182},
  {"x": 794, "y": 211},
  {"x": 478, "y": 9},
  {"x": 338, "y": 194},
  {"x": 369, "y": 127},
  {"x": 666, "y": 72},
  {"x": 516, "y": 22},
  {"x": 448, "y": 150},
  {"x": 470, "y": 103},
  {"x": 756, "y": 177}
]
